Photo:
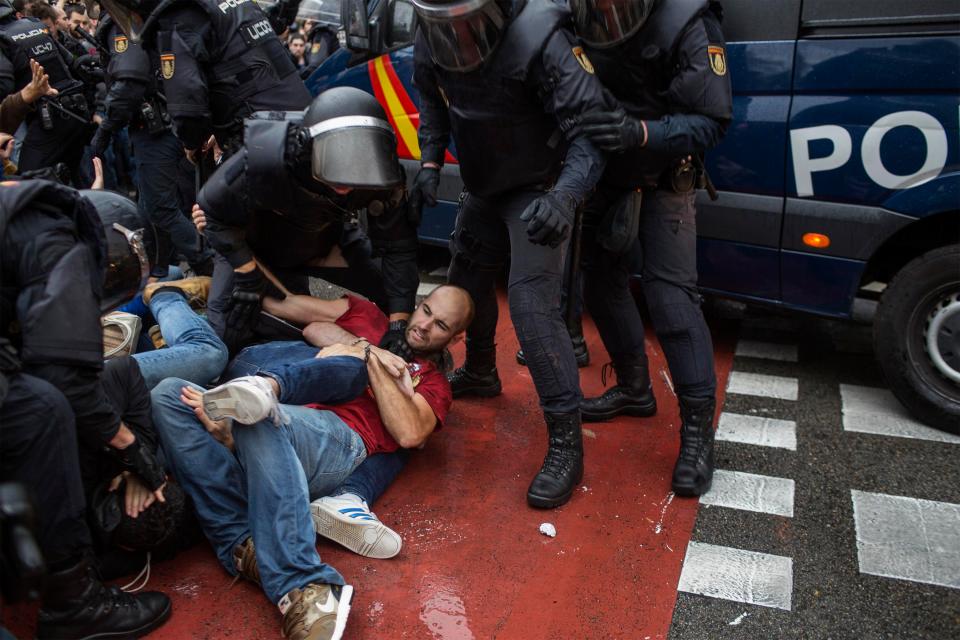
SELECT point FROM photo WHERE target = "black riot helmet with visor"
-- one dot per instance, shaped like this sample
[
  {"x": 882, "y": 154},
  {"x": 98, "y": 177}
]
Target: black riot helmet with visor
[
  {"x": 126, "y": 267},
  {"x": 352, "y": 151},
  {"x": 607, "y": 23},
  {"x": 462, "y": 34}
]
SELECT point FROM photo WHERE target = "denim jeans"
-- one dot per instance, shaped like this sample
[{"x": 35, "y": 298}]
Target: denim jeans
[
  {"x": 265, "y": 489},
  {"x": 194, "y": 352},
  {"x": 303, "y": 378}
]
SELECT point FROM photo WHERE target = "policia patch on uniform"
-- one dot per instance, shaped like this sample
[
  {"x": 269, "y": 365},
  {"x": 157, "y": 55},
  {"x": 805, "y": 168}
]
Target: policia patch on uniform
[
  {"x": 168, "y": 62},
  {"x": 120, "y": 44},
  {"x": 582, "y": 58},
  {"x": 718, "y": 60}
]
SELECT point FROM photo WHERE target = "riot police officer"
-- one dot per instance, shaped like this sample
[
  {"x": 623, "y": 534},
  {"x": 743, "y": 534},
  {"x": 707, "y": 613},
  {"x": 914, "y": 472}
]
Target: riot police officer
[
  {"x": 512, "y": 99},
  {"x": 666, "y": 64},
  {"x": 220, "y": 62},
  {"x": 165, "y": 177},
  {"x": 56, "y": 249},
  {"x": 321, "y": 37},
  {"x": 288, "y": 199},
  {"x": 60, "y": 127}
]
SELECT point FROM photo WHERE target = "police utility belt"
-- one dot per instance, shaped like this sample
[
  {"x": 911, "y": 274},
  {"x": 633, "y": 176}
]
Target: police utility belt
[
  {"x": 72, "y": 106},
  {"x": 681, "y": 178},
  {"x": 154, "y": 116}
]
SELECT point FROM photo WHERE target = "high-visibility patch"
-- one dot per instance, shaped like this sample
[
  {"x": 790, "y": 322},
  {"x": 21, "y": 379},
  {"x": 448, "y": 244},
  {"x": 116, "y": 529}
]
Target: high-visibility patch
[
  {"x": 718, "y": 60},
  {"x": 120, "y": 44},
  {"x": 168, "y": 64},
  {"x": 582, "y": 58}
]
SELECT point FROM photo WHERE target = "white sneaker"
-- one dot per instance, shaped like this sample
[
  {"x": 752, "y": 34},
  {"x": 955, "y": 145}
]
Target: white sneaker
[
  {"x": 247, "y": 400},
  {"x": 348, "y": 520}
]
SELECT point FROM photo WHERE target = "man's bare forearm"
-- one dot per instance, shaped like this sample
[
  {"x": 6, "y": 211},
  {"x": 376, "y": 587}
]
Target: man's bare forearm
[
  {"x": 324, "y": 334},
  {"x": 408, "y": 419}
]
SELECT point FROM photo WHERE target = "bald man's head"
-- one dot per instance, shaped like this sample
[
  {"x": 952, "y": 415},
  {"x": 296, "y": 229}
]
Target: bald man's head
[{"x": 440, "y": 320}]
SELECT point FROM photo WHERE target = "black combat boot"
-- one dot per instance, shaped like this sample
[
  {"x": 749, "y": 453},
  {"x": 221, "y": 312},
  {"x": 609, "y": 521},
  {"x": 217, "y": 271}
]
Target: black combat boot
[
  {"x": 580, "y": 350},
  {"x": 632, "y": 396},
  {"x": 77, "y": 605},
  {"x": 562, "y": 469},
  {"x": 478, "y": 375},
  {"x": 693, "y": 472}
]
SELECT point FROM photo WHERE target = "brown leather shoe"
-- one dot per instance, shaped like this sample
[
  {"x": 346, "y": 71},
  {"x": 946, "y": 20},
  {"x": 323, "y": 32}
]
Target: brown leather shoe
[
  {"x": 245, "y": 558},
  {"x": 316, "y": 612},
  {"x": 195, "y": 290}
]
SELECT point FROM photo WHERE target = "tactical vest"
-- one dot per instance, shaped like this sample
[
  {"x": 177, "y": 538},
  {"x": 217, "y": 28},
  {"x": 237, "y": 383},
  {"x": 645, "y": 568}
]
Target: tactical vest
[
  {"x": 28, "y": 38},
  {"x": 7, "y": 83},
  {"x": 504, "y": 138},
  {"x": 249, "y": 70}
]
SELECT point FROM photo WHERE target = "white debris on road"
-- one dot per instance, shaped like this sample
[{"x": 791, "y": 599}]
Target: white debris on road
[{"x": 548, "y": 529}]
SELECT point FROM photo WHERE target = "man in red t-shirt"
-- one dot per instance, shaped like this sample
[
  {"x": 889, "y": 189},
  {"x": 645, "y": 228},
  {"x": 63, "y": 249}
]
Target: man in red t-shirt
[{"x": 253, "y": 503}]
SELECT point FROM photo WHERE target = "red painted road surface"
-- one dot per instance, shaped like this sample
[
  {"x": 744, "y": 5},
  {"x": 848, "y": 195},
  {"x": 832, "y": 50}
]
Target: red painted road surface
[{"x": 474, "y": 564}]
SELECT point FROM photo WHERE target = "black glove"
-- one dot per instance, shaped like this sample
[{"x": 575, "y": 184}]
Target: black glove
[
  {"x": 142, "y": 462},
  {"x": 244, "y": 306},
  {"x": 423, "y": 192},
  {"x": 549, "y": 218},
  {"x": 87, "y": 68},
  {"x": 395, "y": 340},
  {"x": 613, "y": 130},
  {"x": 100, "y": 141}
]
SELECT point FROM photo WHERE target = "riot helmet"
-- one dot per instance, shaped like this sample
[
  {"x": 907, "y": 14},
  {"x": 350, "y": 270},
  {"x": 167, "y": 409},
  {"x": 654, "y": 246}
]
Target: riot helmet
[
  {"x": 606, "y": 23},
  {"x": 353, "y": 151},
  {"x": 462, "y": 33},
  {"x": 321, "y": 11},
  {"x": 126, "y": 266}
]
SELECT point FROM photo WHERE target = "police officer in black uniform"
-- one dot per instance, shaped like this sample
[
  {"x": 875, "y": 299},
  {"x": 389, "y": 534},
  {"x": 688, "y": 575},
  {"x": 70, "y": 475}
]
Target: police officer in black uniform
[
  {"x": 55, "y": 250},
  {"x": 7, "y": 83},
  {"x": 665, "y": 62},
  {"x": 165, "y": 177},
  {"x": 220, "y": 62},
  {"x": 288, "y": 198},
  {"x": 321, "y": 38},
  {"x": 60, "y": 127},
  {"x": 509, "y": 83}
]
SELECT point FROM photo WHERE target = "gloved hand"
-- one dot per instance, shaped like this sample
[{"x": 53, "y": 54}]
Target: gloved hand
[
  {"x": 100, "y": 141},
  {"x": 613, "y": 130},
  {"x": 88, "y": 68},
  {"x": 549, "y": 218},
  {"x": 423, "y": 192},
  {"x": 143, "y": 462},
  {"x": 395, "y": 340},
  {"x": 244, "y": 306}
]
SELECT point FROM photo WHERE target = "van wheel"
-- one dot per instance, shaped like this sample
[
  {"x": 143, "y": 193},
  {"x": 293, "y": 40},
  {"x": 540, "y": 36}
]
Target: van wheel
[{"x": 916, "y": 336}]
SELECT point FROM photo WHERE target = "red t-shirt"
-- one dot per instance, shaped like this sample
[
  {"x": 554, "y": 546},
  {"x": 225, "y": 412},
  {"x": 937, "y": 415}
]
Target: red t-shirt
[{"x": 365, "y": 320}]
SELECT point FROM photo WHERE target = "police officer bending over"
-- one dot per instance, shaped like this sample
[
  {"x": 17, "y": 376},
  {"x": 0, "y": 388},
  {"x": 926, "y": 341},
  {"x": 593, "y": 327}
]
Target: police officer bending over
[
  {"x": 164, "y": 177},
  {"x": 288, "y": 198},
  {"x": 54, "y": 252},
  {"x": 665, "y": 62},
  {"x": 508, "y": 82},
  {"x": 58, "y": 130},
  {"x": 220, "y": 62}
]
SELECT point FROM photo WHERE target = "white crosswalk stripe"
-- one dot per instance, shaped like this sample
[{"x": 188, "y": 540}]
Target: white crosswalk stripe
[
  {"x": 735, "y": 574},
  {"x": 763, "y": 385},
  {"x": 756, "y": 430},
  {"x": 877, "y": 411},
  {"x": 750, "y": 492}
]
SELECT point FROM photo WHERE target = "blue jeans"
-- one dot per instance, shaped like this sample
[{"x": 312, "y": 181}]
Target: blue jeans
[
  {"x": 194, "y": 352},
  {"x": 265, "y": 489},
  {"x": 303, "y": 378}
]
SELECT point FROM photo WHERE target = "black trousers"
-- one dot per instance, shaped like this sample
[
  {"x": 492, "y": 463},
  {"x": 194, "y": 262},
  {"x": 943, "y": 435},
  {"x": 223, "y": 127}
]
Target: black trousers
[
  {"x": 38, "y": 447},
  {"x": 666, "y": 256},
  {"x": 488, "y": 232},
  {"x": 64, "y": 143}
]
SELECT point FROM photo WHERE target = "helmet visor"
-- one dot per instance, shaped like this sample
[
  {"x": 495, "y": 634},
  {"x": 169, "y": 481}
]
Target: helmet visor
[
  {"x": 129, "y": 21},
  {"x": 461, "y": 36},
  {"x": 128, "y": 266},
  {"x": 356, "y": 152},
  {"x": 605, "y": 23},
  {"x": 325, "y": 11}
]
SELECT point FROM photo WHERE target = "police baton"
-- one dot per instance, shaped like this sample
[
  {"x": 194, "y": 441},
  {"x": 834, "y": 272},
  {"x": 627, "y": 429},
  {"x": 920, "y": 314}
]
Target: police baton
[
  {"x": 572, "y": 284},
  {"x": 92, "y": 41},
  {"x": 70, "y": 114},
  {"x": 707, "y": 182}
]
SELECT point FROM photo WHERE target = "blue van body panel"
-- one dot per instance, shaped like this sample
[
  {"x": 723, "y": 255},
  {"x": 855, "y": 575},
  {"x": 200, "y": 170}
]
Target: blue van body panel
[{"x": 796, "y": 102}]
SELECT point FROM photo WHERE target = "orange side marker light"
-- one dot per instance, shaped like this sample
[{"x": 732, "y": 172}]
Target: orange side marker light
[{"x": 816, "y": 240}]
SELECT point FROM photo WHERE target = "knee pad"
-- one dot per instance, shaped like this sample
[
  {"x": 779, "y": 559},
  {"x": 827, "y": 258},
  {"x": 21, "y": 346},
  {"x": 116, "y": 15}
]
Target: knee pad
[{"x": 673, "y": 309}]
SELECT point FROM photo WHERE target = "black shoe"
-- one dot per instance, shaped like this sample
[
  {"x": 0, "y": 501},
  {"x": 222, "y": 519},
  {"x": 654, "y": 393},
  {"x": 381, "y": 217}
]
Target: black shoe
[
  {"x": 464, "y": 382},
  {"x": 632, "y": 395},
  {"x": 562, "y": 468},
  {"x": 76, "y": 604},
  {"x": 693, "y": 473}
]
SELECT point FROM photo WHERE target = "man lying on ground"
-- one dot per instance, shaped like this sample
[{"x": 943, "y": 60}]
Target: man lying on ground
[{"x": 253, "y": 504}]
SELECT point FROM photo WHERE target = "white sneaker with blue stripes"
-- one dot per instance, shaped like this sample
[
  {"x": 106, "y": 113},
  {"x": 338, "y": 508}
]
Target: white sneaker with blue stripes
[{"x": 348, "y": 520}]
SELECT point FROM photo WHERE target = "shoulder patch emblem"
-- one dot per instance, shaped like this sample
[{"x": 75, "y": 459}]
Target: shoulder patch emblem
[
  {"x": 315, "y": 48},
  {"x": 718, "y": 60},
  {"x": 582, "y": 58},
  {"x": 120, "y": 44},
  {"x": 168, "y": 62}
]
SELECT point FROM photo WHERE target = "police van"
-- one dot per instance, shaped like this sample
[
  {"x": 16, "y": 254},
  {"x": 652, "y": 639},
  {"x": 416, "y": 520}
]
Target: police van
[{"x": 838, "y": 179}]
